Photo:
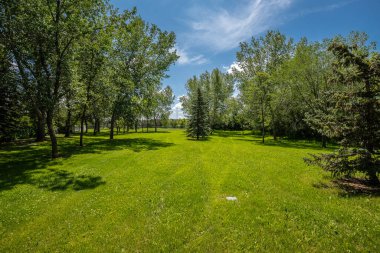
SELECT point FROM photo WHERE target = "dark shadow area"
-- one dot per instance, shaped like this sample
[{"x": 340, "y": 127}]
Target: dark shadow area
[
  {"x": 230, "y": 134},
  {"x": 351, "y": 187},
  {"x": 150, "y": 132},
  {"x": 201, "y": 139},
  {"x": 98, "y": 146},
  {"x": 27, "y": 164},
  {"x": 56, "y": 180},
  {"x": 291, "y": 144}
]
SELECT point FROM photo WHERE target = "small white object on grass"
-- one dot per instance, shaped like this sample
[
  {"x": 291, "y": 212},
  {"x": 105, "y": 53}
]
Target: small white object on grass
[{"x": 231, "y": 198}]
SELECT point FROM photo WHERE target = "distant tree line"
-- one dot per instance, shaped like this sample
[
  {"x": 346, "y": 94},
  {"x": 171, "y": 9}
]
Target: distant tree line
[
  {"x": 66, "y": 63},
  {"x": 327, "y": 90}
]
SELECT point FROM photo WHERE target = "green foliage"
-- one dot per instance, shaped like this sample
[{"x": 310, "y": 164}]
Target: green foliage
[
  {"x": 353, "y": 115},
  {"x": 9, "y": 99},
  {"x": 259, "y": 59},
  {"x": 198, "y": 126},
  {"x": 217, "y": 88},
  {"x": 82, "y": 61}
]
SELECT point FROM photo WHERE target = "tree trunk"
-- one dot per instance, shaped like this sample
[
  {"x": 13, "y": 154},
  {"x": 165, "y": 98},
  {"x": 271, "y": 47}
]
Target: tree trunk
[
  {"x": 262, "y": 124},
  {"x": 86, "y": 123},
  {"x": 155, "y": 124},
  {"x": 53, "y": 138},
  {"x": 40, "y": 130},
  {"x": 112, "y": 125},
  {"x": 68, "y": 124},
  {"x": 81, "y": 127},
  {"x": 98, "y": 130},
  {"x": 374, "y": 180},
  {"x": 95, "y": 126},
  {"x": 324, "y": 141},
  {"x": 147, "y": 126},
  {"x": 136, "y": 123},
  {"x": 274, "y": 133}
]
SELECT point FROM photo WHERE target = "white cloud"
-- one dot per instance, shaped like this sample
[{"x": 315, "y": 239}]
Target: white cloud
[
  {"x": 234, "y": 67},
  {"x": 185, "y": 58},
  {"x": 177, "y": 110},
  {"x": 223, "y": 29}
]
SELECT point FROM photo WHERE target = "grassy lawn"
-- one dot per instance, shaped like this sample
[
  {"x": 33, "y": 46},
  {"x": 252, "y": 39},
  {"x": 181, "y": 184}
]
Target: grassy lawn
[{"x": 163, "y": 192}]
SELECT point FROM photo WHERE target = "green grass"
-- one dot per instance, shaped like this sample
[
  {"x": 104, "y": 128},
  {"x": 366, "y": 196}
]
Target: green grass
[{"x": 163, "y": 192}]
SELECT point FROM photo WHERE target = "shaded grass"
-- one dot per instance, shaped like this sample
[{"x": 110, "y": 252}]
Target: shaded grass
[{"x": 162, "y": 192}]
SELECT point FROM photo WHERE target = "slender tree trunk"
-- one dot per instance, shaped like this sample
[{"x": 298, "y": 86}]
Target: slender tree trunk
[
  {"x": 86, "y": 123},
  {"x": 53, "y": 138},
  {"x": 262, "y": 124},
  {"x": 95, "y": 125},
  {"x": 147, "y": 125},
  {"x": 98, "y": 126},
  {"x": 40, "y": 130},
  {"x": 127, "y": 128},
  {"x": 155, "y": 124},
  {"x": 82, "y": 126},
  {"x": 112, "y": 125},
  {"x": 136, "y": 125},
  {"x": 324, "y": 141},
  {"x": 68, "y": 123}
]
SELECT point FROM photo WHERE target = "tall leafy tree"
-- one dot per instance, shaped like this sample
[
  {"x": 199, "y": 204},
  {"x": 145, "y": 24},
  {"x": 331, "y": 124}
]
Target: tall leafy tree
[
  {"x": 142, "y": 56},
  {"x": 163, "y": 100},
  {"x": 258, "y": 59},
  {"x": 42, "y": 36},
  {"x": 221, "y": 88},
  {"x": 10, "y": 99},
  {"x": 92, "y": 56},
  {"x": 302, "y": 82}
]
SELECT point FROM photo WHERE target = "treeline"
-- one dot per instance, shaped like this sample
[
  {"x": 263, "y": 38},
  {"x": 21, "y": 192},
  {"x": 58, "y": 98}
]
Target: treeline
[
  {"x": 276, "y": 86},
  {"x": 327, "y": 90},
  {"x": 80, "y": 62}
]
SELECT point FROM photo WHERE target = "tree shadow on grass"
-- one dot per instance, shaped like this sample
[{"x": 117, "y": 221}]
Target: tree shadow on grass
[
  {"x": 200, "y": 139},
  {"x": 290, "y": 144},
  {"x": 28, "y": 164},
  {"x": 58, "y": 180},
  {"x": 220, "y": 133},
  {"x": 29, "y": 167},
  {"x": 99, "y": 146},
  {"x": 351, "y": 187}
]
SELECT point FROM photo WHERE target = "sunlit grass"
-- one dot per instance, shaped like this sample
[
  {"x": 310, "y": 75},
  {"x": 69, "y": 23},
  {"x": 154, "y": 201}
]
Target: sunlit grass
[{"x": 163, "y": 192}]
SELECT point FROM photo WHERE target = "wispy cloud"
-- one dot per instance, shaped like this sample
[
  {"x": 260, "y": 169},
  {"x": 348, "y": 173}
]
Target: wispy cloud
[
  {"x": 223, "y": 29},
  {"x": 324, "y": 8},
  {"x": 186, "y": 58}
]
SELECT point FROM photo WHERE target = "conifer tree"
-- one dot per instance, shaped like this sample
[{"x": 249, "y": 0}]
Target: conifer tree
[
  {"x": 198, "y": 121},
  {"x": 354, "y": 115}
]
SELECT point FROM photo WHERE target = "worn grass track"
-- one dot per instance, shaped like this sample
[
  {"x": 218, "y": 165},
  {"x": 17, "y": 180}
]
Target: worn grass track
[{"x": 162, "y": 192}]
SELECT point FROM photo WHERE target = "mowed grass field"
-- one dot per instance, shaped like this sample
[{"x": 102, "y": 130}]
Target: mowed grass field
[{"x": 160, "y": 192}]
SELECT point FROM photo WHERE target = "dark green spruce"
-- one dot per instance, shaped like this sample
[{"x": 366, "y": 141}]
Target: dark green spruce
[
  {"x": 198, "y": 120},
  {"x": 354, "y": 113}
]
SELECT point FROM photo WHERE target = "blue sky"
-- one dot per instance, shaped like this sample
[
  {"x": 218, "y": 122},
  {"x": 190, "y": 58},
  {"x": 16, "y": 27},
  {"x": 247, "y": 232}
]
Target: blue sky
[{"x": 209, "y": 31}]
